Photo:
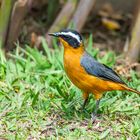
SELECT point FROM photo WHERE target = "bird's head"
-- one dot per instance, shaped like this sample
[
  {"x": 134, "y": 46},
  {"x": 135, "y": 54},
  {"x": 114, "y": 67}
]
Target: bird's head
[{"x": 69, "y": 38}]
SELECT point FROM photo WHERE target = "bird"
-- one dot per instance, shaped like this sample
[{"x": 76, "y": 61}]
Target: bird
[{"x": 85, "y": 72}]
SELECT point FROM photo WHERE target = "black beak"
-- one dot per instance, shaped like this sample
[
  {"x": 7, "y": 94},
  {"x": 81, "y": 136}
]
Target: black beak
[{"x": 53, "y": 34}]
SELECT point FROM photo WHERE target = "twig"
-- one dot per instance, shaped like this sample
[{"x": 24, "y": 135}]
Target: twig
[
  {"x": 134, "y": 47},
  {"x": 82, "y": 12},
  {"x": 20, "y": 10}
]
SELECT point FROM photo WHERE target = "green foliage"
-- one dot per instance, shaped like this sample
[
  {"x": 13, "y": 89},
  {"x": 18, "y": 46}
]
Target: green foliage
[
  {"x": 5, "y": 11},
  {"x": 38, "y": 101},
  {"x": 52, "y": 10}
]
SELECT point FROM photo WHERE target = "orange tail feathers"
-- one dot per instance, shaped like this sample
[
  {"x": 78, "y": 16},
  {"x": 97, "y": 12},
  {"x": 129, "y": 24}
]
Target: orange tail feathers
[{"x": 131, "y": 89}]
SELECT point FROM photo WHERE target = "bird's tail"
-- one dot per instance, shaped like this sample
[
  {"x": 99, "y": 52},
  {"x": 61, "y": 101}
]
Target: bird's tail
[{"x": 131, "y": 89}]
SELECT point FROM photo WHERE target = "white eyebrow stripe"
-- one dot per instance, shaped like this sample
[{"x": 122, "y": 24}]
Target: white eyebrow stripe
[{"x": 71, "y": 34}]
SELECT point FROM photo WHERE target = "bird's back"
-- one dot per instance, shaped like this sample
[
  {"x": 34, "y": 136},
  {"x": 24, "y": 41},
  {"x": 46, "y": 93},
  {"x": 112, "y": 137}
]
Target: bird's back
[{"x": 99, "y": 70}]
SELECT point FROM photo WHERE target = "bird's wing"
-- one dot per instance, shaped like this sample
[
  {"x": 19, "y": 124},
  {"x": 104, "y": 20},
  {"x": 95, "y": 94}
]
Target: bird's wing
[{"x": 99, "y": 70}]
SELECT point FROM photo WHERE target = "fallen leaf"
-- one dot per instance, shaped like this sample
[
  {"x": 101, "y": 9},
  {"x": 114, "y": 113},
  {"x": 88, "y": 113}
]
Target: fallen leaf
[{"x": 110, "y": 24}]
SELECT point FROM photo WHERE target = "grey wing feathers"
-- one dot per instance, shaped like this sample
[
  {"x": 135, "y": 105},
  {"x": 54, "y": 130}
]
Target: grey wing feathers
[{"x": 97, "y": 69}]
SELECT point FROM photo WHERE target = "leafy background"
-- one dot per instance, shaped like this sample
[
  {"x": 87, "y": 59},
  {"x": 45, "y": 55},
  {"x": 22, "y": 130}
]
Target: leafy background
[{"x": 37, "y": 101}]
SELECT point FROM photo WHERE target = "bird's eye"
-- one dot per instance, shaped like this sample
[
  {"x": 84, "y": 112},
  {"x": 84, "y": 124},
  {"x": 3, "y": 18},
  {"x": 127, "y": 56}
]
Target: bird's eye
[{"x": 66, "y": 37}]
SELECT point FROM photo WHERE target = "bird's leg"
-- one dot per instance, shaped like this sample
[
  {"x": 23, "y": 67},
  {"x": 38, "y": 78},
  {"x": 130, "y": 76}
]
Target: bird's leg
[
  {"x": 84, "y": 104},
  {"x": 94, "y": 114},
  {"x": 85, "y": 96}
]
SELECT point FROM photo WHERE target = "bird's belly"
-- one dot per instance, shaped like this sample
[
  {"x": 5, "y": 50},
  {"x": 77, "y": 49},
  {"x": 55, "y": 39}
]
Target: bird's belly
[{"x": 80, "y": 78}]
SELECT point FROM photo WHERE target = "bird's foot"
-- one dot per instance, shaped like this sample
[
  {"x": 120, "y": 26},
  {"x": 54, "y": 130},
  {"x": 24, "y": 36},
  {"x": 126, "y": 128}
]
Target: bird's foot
[{"x": 94, "y": 117}]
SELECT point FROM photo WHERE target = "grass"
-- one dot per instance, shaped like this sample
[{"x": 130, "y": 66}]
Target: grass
[{"x": 37, "y": 101}]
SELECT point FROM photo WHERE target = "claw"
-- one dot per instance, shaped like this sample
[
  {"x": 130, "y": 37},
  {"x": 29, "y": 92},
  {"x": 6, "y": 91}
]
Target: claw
[
  {"x": 93, "y": 117},
  {"x": 94, "y": 114}
]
